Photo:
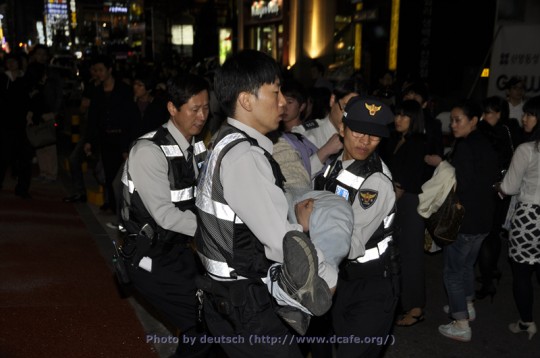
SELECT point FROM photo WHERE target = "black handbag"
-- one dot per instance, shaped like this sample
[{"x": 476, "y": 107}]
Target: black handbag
[
  {"x": 443, "y": 225},
  {"x": 42, "y": 134}
]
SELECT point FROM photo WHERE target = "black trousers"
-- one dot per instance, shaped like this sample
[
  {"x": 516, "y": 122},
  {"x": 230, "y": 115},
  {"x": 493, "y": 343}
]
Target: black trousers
[
  {"x": 170, "y": 289},
  {"x": 363, "y": 314},
  {"x": 522, "y": 288},
  {"x": 242, "y": 316},
  {"x": 16, "y": 152},
  {"x": 490, "y": 251},
  {"x": 410, "y": 242}
]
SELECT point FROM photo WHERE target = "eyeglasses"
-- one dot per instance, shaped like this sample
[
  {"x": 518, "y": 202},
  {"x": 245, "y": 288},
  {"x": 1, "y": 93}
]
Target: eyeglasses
[
  {"x": 371, "y": 138},
  {"x": 340, "y": 107}
]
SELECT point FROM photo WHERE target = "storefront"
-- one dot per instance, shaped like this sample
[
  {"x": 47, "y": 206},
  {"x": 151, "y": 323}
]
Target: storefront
[{"x": 264, "y": 28}]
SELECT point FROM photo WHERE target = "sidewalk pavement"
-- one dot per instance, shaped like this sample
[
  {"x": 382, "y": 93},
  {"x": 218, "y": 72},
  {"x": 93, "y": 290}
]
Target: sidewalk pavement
[{"x": 58, "y": 293}]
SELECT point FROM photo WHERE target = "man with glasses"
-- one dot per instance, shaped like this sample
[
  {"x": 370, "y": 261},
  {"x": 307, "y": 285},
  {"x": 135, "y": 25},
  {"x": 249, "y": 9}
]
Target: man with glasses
[
  {"x": 324, "y": 132},
  {"x": 367, "y": 288}
]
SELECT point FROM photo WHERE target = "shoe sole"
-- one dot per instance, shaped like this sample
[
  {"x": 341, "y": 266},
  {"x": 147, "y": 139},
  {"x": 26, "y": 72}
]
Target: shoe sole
[
  {"x": 314, "y": 293},
  {"x": 456, "y": 338}
]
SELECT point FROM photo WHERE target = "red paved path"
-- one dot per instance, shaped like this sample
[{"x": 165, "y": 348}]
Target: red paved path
[{"x": 57, "y": 295}]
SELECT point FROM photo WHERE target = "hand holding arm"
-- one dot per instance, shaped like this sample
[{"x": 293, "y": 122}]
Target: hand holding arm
[{"x": 332, "y": 146}]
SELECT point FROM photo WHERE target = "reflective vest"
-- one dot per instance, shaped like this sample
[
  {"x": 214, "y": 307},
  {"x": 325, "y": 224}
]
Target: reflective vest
[
  {"x": 182, "y": 186},
  {"x": 227, "y": 247},
  {"x": 348, "y": 182}
]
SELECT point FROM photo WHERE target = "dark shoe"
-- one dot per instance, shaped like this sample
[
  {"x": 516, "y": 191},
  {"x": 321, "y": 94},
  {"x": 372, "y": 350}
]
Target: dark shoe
[
  {"x": 298, "y": 276},
  {"x": 486, "y": 290},
  {"x": 295, "y": 318},
  {"x": 77, "y": 198}
]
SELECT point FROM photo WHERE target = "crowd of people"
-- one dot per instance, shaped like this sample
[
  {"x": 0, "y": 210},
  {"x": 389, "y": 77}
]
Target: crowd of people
[{"x": 253, "y": 204}]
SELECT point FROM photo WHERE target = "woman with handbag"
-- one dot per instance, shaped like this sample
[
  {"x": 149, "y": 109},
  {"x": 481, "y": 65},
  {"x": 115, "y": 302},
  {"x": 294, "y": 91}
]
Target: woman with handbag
[
  {"x": 523, "y": 180},
  {"x": 476, "y": 169}
]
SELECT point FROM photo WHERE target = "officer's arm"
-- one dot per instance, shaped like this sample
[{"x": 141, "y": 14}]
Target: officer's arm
[{"x": 149, "y": 171}]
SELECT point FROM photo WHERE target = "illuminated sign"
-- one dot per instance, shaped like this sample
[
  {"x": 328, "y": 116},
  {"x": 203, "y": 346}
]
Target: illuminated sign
[
  {"x": 73, "y": 7},
  {"x": 182, "y": 34},
  {"x": 261, "y": 8},
  {"x": 115, "y": 7},
  {"x": 118, "y": 9},
  {"x": 56, "y": 9}
]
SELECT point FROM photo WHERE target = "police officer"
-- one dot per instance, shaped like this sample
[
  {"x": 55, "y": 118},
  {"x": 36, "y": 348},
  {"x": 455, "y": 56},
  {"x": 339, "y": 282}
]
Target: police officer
[
  {"x": 158, "y": 209},
  {"x": 367, "y": 289},
  {"x": 244, "y": 234}
]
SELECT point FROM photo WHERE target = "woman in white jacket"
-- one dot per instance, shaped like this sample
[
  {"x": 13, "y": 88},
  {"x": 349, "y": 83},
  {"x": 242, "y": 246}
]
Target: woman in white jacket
[{"x": 523, "y": 180}]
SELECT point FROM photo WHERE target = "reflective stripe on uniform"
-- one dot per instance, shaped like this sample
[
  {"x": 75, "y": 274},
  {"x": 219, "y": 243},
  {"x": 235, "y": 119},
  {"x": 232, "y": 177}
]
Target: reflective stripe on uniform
[
  {"x": 349, "y": 179},
  {"x": 204, "y": 202},
  {"x": 388, "y": 220},
  {"x": 219, "y": 270},
  {"x": 375, "y": 252},
  {"x": 176, "y": 195},
  {"x": 148, "y": 135},
  {"x": 182, "y": 194},
  {"x": 129, "y": 184},
  {"x": 219, "y": 210},
  {"x": 199, "y": 148},
  {"x": 171, "y": 150}
]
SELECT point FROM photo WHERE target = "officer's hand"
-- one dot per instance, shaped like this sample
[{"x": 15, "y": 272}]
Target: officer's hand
[
  {"x": 333, "y": 146},
  {"x": 303, "y": 212},
  {"x": 433, "y": 160}
]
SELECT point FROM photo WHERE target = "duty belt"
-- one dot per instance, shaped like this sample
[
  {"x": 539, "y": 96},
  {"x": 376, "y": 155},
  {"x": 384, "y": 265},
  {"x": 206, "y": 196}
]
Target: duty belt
[{"x": 375, "y": 252}]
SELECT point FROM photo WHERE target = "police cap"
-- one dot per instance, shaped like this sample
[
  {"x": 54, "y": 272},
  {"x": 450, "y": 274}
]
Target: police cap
[{"x": 368, "y": 115}]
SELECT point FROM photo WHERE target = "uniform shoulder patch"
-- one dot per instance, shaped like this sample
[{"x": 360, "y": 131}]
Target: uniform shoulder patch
[
  {"x": 311, "y": 124},
  {"x": 367, "y": 197}
]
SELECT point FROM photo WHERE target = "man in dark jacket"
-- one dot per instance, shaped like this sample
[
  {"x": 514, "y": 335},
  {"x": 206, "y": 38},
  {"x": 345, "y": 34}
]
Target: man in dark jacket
[{"x": 109, "y": 124}]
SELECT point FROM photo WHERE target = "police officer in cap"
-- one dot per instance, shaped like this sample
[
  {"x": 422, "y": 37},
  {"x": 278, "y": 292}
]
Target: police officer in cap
[{"x": 367, "y": 289}]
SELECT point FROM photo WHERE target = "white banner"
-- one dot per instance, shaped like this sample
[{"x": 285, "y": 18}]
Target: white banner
[{"x": 516, "y": 52}]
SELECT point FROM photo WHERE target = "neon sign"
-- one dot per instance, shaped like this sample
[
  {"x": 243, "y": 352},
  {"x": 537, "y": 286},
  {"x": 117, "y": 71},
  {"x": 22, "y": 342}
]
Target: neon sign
[
  {"x": 118, "y": 9},
  {"x": 261, "y": 8}
]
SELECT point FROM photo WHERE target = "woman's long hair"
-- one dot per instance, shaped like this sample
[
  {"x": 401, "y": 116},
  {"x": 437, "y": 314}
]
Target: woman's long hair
[{"x": 532, "y": 107}]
